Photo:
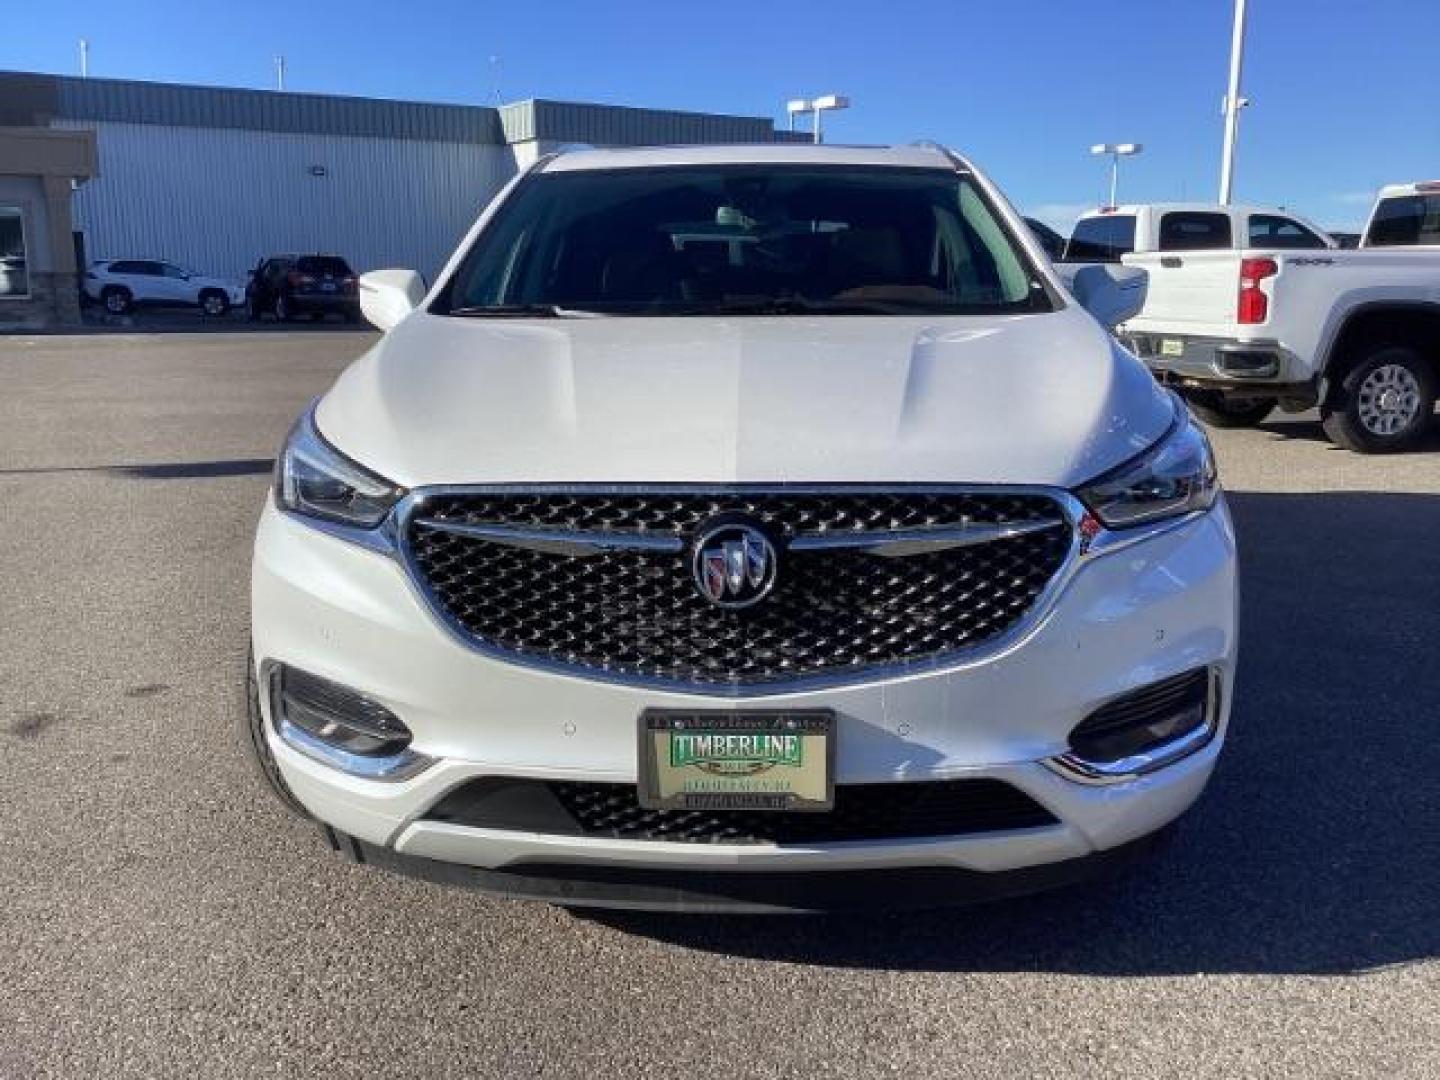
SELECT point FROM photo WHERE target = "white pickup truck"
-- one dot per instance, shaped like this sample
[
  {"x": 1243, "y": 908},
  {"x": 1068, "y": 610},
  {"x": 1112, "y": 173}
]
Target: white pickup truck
[
  {"x": 1241, "y": 330},
  {"x": 1111, "y": 232}
]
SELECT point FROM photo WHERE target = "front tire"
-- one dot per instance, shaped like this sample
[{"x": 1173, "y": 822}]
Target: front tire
[
  {"x": 256, "y": 746},
  {"x": 1384, "y": 404},
  {"x": 214, "y": 304},
  {"x": 1218, "y": 411}
]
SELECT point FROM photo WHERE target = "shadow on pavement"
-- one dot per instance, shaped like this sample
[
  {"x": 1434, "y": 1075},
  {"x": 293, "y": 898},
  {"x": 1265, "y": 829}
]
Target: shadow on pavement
[
  {"x": 169, "y": 470},
  {"x": 1316, "y": 848},
  {"x": 94, "y": 321},
  {"x": 1308, "y": 429}
]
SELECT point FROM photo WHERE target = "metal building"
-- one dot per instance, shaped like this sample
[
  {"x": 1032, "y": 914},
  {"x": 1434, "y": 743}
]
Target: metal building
[{"x": 214, "y": 178}]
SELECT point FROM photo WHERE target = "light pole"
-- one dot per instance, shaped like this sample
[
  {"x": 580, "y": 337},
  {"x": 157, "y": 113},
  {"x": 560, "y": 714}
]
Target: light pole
[
  {"x": 1116, "y": 152},
  {"x": 798, "y": 106},
  {"x": 279, "y": 73},
  {"x": 1232, "y": 104}
]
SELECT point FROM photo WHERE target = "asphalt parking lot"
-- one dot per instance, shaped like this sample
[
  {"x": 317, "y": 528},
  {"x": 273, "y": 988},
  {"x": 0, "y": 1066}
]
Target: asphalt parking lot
[{"x": 161, "y": 916}]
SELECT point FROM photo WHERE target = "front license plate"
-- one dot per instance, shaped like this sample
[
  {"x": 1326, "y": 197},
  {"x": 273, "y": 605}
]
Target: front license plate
[
  {"x": 713, "y": 760},
  {"x": 1172, "y": 347}
]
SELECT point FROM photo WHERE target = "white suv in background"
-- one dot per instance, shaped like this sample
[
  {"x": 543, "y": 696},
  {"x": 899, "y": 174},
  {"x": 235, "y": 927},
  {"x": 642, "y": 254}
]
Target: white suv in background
[
  {"x": 758, "y": 528},
  {"x": 122, "y": 284}
]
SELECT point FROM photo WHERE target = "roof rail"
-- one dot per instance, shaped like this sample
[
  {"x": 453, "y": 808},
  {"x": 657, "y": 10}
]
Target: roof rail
[{"x": 940, "y": 148}]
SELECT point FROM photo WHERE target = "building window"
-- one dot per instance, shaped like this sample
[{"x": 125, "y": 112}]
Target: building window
[{"x": 14, "y": 281}]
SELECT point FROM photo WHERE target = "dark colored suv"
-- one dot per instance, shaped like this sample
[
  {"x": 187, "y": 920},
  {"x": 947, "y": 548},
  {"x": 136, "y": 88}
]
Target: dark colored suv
[{"x": 288, "y": 286}]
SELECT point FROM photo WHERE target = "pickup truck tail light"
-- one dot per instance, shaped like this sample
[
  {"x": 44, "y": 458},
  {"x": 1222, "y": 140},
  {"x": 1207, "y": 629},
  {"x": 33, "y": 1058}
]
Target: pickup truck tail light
[{"x": 1254, "y": 305}]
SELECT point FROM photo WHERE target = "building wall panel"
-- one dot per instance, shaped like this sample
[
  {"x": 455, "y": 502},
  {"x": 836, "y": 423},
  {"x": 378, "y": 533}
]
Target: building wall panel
[{"x": 217, "y": 199}]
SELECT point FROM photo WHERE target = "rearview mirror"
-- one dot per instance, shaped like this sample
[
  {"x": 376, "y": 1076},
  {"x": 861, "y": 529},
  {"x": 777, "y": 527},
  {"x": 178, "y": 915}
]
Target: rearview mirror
[
  {"x": 387, "y": 296},
  {"x": 1110, "y": 292}
]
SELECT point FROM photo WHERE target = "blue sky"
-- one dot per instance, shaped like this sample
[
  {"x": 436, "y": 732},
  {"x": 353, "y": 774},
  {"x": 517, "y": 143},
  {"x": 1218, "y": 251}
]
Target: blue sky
[{"x": 1344, "y": 91}]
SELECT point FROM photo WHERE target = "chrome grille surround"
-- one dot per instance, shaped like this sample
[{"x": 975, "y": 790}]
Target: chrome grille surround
[{"x": 660, "y": 550}]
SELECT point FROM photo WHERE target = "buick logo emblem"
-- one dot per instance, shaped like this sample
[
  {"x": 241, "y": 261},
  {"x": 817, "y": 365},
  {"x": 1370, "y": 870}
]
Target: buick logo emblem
[{"x": 734, "y": 565}]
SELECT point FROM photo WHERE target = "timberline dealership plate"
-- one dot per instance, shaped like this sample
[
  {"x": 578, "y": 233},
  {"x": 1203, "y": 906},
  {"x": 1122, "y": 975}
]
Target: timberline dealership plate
[{"x": 779, "y": 759}]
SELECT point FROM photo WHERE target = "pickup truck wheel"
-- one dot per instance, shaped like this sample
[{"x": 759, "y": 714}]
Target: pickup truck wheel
[
  {"x": 251, "y": 733},
  {"x": 1384, "y": 404},
  {"x": 1218, "y": 411}
]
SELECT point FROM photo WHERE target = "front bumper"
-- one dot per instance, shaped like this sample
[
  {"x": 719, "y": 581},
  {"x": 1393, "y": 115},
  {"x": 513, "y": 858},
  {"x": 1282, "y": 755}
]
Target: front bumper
[
  {"x": 1125, "y": 618},
  {"x": 604, "y": 885}
]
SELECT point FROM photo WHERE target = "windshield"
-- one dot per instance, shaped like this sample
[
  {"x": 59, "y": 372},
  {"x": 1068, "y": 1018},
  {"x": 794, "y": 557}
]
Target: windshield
[
  {"x": 324, "y": 265},
  {"x": 707, "y": 240}
]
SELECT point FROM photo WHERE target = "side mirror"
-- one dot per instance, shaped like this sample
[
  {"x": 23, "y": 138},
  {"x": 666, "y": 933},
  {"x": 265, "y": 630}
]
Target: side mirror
[
  {"x": 387, "y": 296},
  {"x": 1110, "y": 292}
]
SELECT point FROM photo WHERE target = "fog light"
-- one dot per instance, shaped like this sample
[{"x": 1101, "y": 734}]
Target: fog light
[
  {"x": 340, "y": 727},
  {"x": 1146, "y": 729}
]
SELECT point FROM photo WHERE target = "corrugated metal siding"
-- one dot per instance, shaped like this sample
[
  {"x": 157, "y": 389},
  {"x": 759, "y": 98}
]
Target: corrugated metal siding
[
  {"x": 617, "y": 125},
  {"x": 125, "y": 101},
  {"x": 217, "y": 199}
]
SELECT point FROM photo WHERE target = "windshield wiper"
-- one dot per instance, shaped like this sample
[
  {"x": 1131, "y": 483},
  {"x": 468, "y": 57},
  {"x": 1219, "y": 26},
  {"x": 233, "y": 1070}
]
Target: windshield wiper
[{"x": 525, "y": 311}]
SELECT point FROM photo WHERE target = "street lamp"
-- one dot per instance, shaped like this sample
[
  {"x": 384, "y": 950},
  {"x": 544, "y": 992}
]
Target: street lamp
[
  {"x": 1232, "y": 104},
  {"x": 819, "y": 105},
  {"x": 1116, "y": 152},
  {"x": 796, "y": 107}
]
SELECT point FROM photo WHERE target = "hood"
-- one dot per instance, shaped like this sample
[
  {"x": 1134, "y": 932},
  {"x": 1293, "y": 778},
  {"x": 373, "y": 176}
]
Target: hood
[{"x": 1018, "y": 399}]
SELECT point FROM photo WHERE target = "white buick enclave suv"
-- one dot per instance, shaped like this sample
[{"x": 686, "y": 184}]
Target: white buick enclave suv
[{"x": 758, "y": 528}]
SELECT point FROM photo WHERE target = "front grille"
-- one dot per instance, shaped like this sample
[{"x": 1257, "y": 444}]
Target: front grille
[
  {"x": 862, "y": 812},
  {"x": 637, "y": 613}
]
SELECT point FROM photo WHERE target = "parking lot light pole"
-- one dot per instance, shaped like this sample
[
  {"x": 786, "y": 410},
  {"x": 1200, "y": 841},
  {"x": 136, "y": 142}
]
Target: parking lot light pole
[
  {"x": 796, "y": 107},
  {"x": 829, "y": 101},
  {"x": 799, "y": 106},
  {"x": 1233, "y": 103},
  {"x": 1116, "y": 152}
]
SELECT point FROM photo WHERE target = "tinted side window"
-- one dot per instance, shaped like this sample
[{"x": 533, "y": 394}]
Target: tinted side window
[
  {"x": 1408, "y": 219},
  {"x": 125, "y": 267},
  {"x": 1273, "y": 231},
  {"x": 171, "y": 271},
  {"x": 1188, "y": 230},
  {"x": 1101, "y": 239}
]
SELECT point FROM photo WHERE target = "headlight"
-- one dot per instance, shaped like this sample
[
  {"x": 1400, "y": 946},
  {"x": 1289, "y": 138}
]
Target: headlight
[
  {"x": 1175, "y": 476},
  {"x": 315, "y": 479}
]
